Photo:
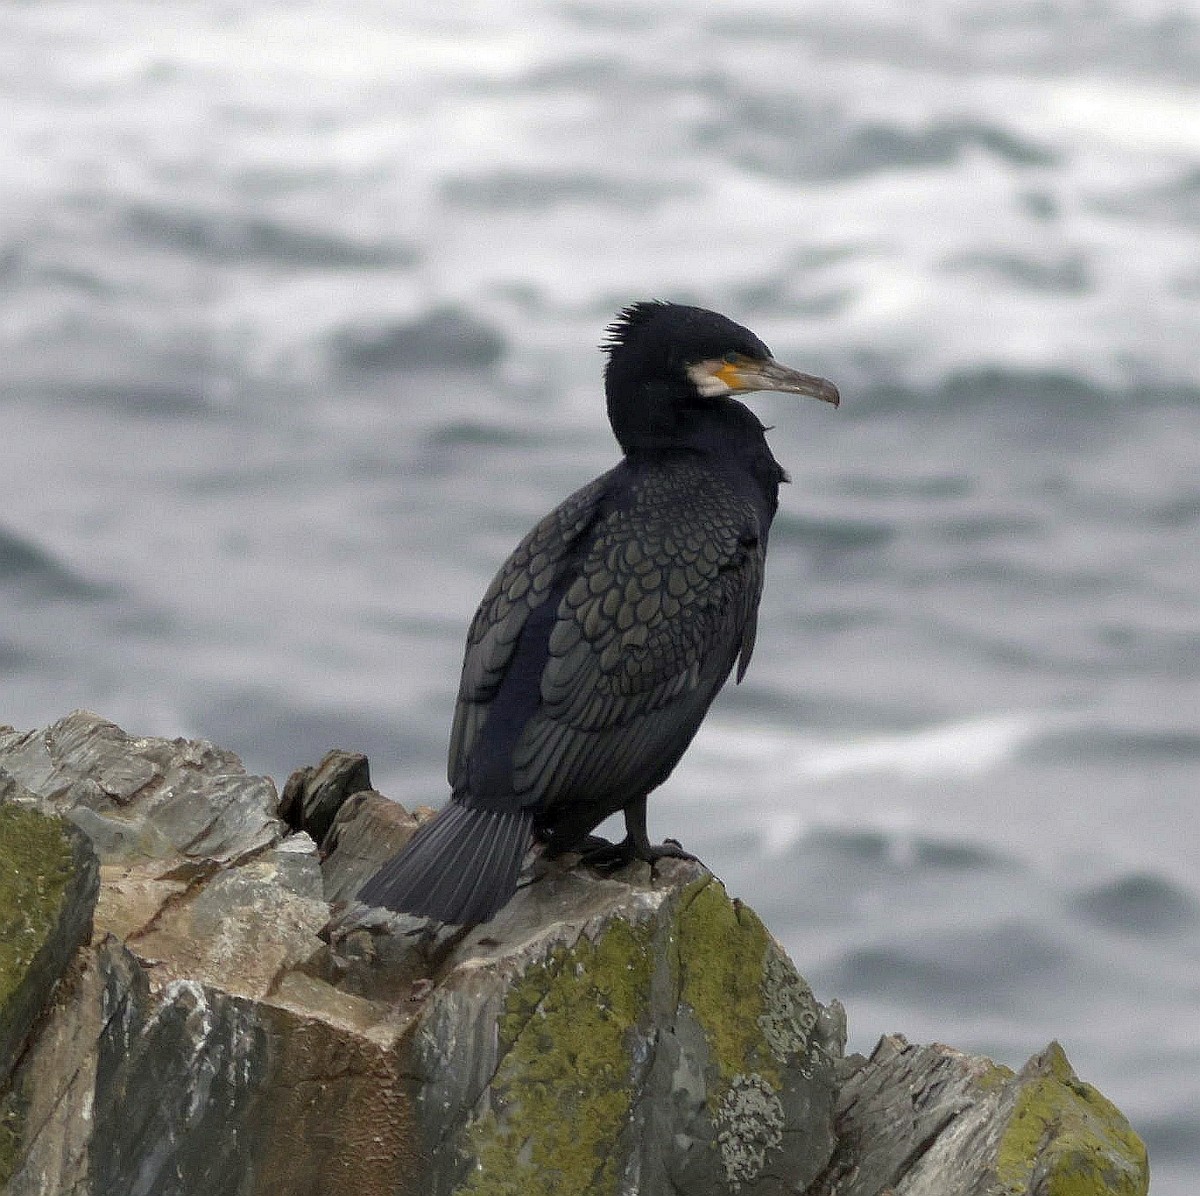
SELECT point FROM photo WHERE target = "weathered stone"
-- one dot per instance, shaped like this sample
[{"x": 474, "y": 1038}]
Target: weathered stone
[
  {"x": 624, "y": 1035},
  {"x": 46, "y": 1107},
  {"x": 187, "y": 1090},
  {"x": 312, "y": 796},
  {"x": 633, "y": 1035},
  {"x": 1064, "y": 1137},
  {"x": 177, "y": 802},
  {"x": 365, "y": 831},
  {"x": 242, "y": 929},
  {"x": 48, "y": 885},
  {"x": 932, "y": 1121}
]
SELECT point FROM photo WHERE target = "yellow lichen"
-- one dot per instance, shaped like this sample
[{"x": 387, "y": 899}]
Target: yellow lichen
[
  {"x": 722, "y": 959},
  {"x": 1067, "y": 1134},
  {"x": 36, "y": 864},
  {"x": 564, "y": 1087},
  {"x": 757, "y": 1016}
]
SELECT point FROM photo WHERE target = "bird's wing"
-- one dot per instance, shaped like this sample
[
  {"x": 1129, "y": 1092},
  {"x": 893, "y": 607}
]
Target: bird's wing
[
  {"x": 662, "y": 604},
  {"x": 523, "y": 583}
]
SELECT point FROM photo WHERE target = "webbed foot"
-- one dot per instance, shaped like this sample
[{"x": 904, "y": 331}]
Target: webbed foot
[{"x": 604, "y": 856}]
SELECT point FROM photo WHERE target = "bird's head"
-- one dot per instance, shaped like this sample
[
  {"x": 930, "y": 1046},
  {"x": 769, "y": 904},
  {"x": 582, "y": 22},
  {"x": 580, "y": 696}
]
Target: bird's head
[{"x": 666, "y": 361}]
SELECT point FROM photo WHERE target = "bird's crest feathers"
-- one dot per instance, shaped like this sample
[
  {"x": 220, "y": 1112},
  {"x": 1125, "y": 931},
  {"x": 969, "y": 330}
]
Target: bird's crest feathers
[{"x": 630, "y": 318}]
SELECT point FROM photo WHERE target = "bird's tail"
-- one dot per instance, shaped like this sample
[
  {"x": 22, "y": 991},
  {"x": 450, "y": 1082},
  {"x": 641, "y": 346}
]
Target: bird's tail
[{"x": 461, "y": 867}]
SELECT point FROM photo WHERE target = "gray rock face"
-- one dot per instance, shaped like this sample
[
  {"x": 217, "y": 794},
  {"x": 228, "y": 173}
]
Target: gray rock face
[
  {"x": 312, "y": 797},
  {"x": 367, "y": 829},
  {"x": 624, "y": 1037},
  {"x": 144, "y": 799},
  {"x": 930, "y": 1120},
  {"x": 237, "y": 1024}
]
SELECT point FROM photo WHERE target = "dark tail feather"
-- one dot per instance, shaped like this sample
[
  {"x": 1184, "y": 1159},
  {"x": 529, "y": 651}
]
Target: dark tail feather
[{"x": 461, "y": 867}]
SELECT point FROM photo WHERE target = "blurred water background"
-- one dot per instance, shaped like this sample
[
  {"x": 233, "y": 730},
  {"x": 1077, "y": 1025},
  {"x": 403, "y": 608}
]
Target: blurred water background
[{"x": 298, "y": 315}]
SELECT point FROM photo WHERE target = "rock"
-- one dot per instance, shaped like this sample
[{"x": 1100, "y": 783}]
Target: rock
[
  {"x": 312, "y": 796},
  {"x": 177, "y": 801},
  {"x": 640, "y": 1035},
  {"x": 365, "y": 831},
  {"x": 930, "y": 1120},
  {"x": 355, "y": 826},
  {"x": 239, "y": 1025},
  {"x": 1063, "y": 1135},
  {"x": 48, "y": 885}
]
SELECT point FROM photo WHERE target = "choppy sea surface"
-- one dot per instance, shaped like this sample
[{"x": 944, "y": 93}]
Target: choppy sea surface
[{"x": 298, "y": 315}]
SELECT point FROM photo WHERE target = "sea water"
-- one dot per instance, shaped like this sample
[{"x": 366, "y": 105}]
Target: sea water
[{"x": 299, "y": 307}]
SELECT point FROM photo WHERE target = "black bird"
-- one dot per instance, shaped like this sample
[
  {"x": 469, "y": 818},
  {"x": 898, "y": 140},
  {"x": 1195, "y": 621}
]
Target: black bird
[{"x": 604, "y": 638}]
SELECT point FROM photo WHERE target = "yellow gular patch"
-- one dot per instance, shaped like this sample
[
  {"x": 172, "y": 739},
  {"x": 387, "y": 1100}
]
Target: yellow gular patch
[{"x": 729, "y": 374}]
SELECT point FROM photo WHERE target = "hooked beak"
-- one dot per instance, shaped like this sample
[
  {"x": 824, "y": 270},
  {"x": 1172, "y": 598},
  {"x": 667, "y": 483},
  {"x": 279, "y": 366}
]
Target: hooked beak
[
  {"x": 747, "y": 374},
  {"x": 770, "y": 375}
]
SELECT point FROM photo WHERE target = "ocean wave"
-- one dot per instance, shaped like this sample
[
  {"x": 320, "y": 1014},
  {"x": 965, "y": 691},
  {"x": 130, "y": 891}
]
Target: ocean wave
[
  {"x": 960, "y": 748},
  {"x": 994, "y": 961},
  {"x": 29, "y": 570},
  {"x": 817, "y": 846},
  {"x": 535, "y": 190},
  {"x": 444, "y": 338},
  {"x": 793, "y": 138},
  {"x": 1105, "y": 740},
  {"x": 1177, "y": 200},
  {"x": 832, "y": 534},
  {"x": 1139, "y": 904},
  {"x": 1069, "y": 272},
  {"x": 1014, "y": 396},
  {"x": 239, "y": 238},
  {"x": 13, "y": 657},
  {"x": 1135, "y": 37}
]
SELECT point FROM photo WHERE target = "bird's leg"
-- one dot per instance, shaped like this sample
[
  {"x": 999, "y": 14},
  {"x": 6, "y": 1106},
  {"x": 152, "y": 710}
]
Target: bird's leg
[
  {"x": 640, "y": 845},
  {"x": 608, "y": 857}
]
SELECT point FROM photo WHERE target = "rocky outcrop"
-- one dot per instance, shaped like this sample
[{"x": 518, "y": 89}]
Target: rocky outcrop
[
  {"x": 932, "y": 1121},
  {"x": 237, "y": 1024}
]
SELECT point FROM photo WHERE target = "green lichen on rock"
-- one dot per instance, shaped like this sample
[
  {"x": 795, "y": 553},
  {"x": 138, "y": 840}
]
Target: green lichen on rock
[
  {"x": 564, "y": 1087},
  {"x": 12, "y": 1122},
  {"x": 757, "y": 1016},
  {"x": 723, "y": 950},
  {"x": 36, "y": 865},
  {"x": 992, "y": 1076},
  {"x": 1065, "y": 1139}
]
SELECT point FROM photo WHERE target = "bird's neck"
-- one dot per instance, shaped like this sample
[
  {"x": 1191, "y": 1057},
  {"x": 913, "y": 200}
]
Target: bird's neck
[
  {"x": 651, "y": 416},
  {"x": 730, "y": 440}
]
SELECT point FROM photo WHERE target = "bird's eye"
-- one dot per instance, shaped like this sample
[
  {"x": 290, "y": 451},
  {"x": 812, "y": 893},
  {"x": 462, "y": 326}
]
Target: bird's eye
[{"x": 732, "y": 358}]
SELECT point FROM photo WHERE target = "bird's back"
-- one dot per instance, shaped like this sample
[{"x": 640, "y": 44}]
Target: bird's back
[{"x": 604, "y": 638}]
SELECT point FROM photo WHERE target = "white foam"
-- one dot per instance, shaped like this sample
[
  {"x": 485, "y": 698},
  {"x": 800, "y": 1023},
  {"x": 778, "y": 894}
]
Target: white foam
[
  {"x": 960, "y": 748},
  {"x": 1128, "y": 116},
  {"x": 972, "y": 746}
]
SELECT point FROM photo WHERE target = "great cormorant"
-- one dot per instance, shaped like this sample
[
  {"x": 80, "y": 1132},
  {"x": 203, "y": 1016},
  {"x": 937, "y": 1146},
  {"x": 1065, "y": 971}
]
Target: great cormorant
[{"x": 600, "y": 644}]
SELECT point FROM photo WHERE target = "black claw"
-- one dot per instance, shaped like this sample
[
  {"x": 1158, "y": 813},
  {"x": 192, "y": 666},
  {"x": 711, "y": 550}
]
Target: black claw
[{"x": 669, "y": 849}]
